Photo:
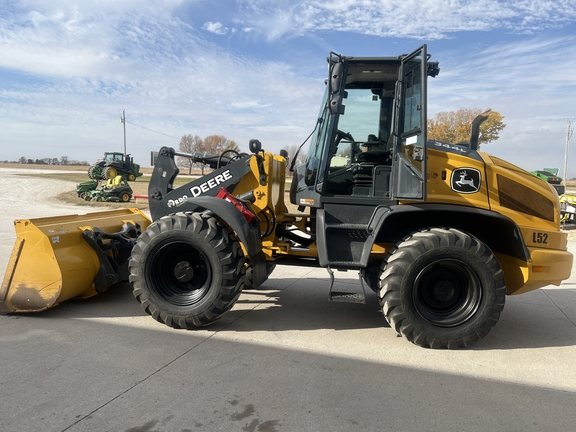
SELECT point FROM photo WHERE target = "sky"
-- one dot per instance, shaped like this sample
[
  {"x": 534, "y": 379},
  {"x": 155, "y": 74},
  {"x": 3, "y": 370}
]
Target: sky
[{"x": 256, "y": 68}]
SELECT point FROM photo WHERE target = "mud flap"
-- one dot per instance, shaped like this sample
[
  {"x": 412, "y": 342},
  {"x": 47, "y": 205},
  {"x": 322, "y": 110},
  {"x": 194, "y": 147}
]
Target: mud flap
[{"x": 58, "y": 258}]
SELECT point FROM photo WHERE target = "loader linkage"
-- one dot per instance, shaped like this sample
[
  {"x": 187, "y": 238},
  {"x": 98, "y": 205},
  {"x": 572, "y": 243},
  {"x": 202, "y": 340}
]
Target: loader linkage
[{"x": 113, "y": 255}]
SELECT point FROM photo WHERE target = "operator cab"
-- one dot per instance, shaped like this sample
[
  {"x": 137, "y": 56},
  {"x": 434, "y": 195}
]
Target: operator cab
[
  {"x": 368, "y": 145},
  {"x": 113, "y": 157},
  {"x": 362, "y": 140}
]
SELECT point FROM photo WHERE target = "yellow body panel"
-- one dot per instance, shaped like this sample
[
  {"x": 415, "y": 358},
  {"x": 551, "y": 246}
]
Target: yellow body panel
[
  {"x": 440, "y": 167},
  {"x": 51, "y": 262},
  {"x": 513, "y": 192},
  {"x": 546, "y": 267}
]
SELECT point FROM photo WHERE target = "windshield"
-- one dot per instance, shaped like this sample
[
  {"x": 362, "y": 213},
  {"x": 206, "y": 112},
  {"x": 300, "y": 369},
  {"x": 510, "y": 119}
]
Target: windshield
[
  {"x": 317, "y": 143},
  {"x": 361, "y": 124},
  {"x": 362, "y": 114},
  {"x": 111, "y": 157}
]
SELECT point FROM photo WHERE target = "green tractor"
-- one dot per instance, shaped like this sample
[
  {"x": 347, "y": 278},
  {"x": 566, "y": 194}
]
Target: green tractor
[
  {"x": 112, "y": 165},
  {"x": 115, "y": 190},
  {"x": 550, "y": 175}
]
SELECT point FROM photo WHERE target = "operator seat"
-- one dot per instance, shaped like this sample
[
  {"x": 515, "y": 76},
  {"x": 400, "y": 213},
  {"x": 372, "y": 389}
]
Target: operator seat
[
  {"x": 374, "y": 153},
  {"x": 111, "y": 183}
]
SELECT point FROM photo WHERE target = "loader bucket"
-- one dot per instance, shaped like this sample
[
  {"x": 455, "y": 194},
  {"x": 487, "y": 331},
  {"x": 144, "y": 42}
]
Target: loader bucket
[{"x": 58, "y": 258}]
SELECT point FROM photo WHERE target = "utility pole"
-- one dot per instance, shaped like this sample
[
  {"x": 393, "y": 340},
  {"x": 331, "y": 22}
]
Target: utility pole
[
  {"x": 568, "y": 135},
  {"x": 123, "y": 121}
]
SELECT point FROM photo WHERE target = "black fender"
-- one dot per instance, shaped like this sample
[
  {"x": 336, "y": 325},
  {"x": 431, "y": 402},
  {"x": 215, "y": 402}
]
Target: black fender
[
  {"x": 249, "y": 234},
  {"x": 390, "y": 224}
]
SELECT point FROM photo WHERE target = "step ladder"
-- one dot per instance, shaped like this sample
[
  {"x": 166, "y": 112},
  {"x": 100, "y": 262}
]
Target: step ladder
[{"x": 345, "y": 296}]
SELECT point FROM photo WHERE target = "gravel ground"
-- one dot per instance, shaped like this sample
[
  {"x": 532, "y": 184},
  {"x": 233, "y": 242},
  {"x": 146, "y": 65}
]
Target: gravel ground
[{"x": 27, "y": 198}]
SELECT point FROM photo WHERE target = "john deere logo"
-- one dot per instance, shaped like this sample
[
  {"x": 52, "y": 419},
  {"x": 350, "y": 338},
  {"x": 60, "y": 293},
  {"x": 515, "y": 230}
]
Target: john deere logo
[{"x": 465, "y": 180}]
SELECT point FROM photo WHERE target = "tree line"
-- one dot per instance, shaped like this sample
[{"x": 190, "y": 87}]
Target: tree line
[
  {"x": 212, "y": 144},
  {"x": 216, "y": 145},
  {"x": 64, "y": 160},
  {"x": 454, "y": 126}
]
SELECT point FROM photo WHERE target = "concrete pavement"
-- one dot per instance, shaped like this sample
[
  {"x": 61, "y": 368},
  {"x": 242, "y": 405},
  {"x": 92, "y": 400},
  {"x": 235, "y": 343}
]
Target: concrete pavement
[{"x": 284, "y": 359}]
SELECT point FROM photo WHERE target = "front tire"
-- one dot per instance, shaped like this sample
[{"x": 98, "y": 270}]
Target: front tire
[
  {"x": 442, "y": 288},
  {"x": 187, "y": 270}
]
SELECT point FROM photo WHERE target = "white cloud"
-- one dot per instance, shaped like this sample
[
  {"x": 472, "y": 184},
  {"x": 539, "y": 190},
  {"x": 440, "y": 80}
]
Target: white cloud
[
  {"x": 422, "y": 19},
  {"x": 84, "y": 67},
  {"x": 215, "y": 27}
]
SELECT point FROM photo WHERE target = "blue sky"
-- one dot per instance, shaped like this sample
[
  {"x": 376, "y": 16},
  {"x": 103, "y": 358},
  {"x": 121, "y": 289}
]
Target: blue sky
[{"x": 255, "y": 69}]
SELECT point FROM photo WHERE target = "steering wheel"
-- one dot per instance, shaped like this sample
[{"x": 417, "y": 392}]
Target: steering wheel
[
  {"x": 340, "y": 135},
  {"x": 236, "y": 155}
]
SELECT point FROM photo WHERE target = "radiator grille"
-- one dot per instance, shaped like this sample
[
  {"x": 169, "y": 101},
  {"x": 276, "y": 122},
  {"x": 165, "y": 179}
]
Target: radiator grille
[{"x": 518, "y": 197}]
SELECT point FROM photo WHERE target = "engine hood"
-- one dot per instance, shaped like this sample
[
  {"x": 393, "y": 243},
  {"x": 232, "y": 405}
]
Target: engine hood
[{"x": 520, "y": 195}]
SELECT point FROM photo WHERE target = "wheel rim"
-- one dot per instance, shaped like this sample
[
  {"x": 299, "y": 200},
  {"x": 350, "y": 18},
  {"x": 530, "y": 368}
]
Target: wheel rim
[
  {"x": 111, "y": 173},
  {"x": 447, "y": 293},
  {"x": 125, "y": 197},
  {"x": 131, "y": 177},
  {"x": 180, "y": 273}
]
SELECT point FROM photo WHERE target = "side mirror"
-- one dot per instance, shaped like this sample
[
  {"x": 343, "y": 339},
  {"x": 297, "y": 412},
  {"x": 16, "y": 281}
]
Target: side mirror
[
  {"x": 335, "y": 72},
  {"x": 335, "y": 77}
]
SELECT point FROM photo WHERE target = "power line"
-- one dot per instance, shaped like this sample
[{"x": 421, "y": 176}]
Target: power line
[
  {"x": 535, "y": 133},
  {"x": 160, "y": 133}
]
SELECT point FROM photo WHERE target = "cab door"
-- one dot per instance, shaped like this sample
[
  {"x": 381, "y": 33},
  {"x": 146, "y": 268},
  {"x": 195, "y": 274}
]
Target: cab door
[{"x": 409, "y": 163}]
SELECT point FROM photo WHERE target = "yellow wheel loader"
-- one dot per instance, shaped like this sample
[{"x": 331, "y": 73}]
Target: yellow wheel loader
[{"x": 440, "y": 232}]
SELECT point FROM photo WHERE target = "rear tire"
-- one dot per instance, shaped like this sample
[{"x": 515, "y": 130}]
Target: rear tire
[
  {"x": 442, "y": 288},
  {"x": 187, "y": 270},
  {"x": 125, "y": 197},
  {"x": 109, "y": 173}
]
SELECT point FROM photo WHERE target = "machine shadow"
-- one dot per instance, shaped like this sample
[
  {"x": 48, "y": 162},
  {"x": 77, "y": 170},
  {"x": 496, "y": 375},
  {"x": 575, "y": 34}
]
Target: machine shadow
[{"x": 300, "y": 304}]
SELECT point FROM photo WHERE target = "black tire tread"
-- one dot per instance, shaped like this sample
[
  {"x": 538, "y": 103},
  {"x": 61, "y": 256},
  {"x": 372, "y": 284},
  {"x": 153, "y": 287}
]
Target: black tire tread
[
  {"x": 399, "y": 261},
  {"x": 231, "y": 257}
]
